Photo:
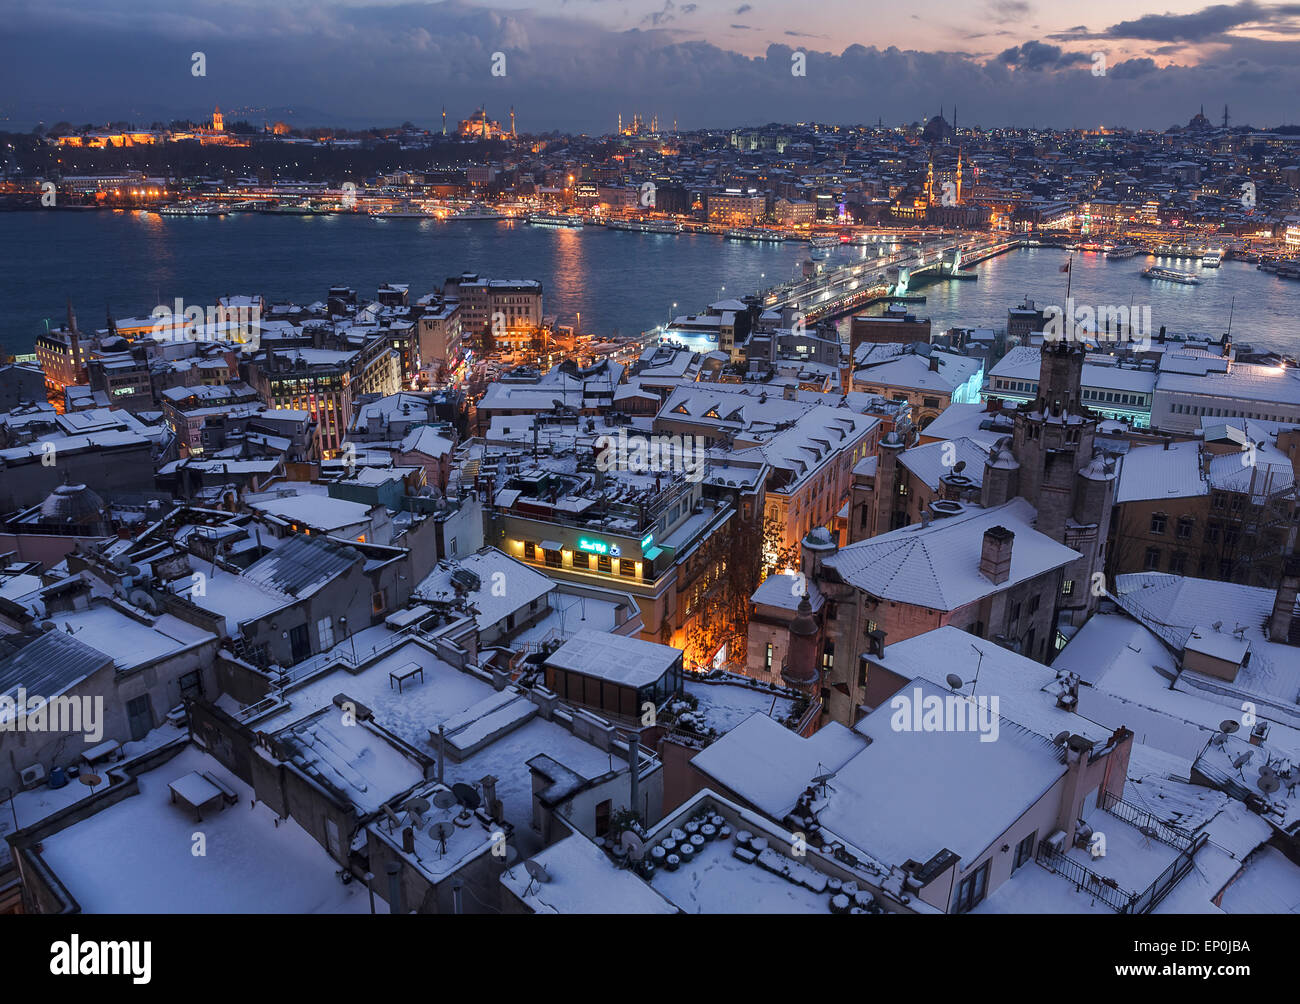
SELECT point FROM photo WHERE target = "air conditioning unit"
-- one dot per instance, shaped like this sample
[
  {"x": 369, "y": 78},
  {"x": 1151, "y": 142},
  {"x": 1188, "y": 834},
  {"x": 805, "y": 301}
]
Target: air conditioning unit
[
  {"x": 1057, "y": 841},
  {"x": 32, "y": 776}
]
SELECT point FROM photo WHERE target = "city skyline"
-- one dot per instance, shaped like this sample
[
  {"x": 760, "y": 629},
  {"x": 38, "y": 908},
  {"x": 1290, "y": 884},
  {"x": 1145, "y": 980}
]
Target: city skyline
[{"x": 573, "y": 65}]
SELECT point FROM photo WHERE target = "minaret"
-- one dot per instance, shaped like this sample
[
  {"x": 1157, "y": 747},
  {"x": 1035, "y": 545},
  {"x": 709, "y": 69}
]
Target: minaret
[
  {"x": 512, "y": 121},
  {"x": 1225, "y": 116},
  {"x": 620, "y": 123},
  {"x": 929, "y": 181},
  {"x": 444, "y": 120},
  {"x": 958, "y": 169},
  {"x": 218, "y": 120}
]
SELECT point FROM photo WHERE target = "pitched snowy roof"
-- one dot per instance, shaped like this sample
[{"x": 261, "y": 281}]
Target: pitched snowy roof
[
  {"x": 618, "y": 659},
  {"x": 769, "y": 766},
  {"x": 938, "y": 566},
  {"x": 910, "y": 794},
  {"x": 1149, "y": 473}
]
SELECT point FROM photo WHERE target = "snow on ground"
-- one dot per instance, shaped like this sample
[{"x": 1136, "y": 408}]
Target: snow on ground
[
  {"x": 568, "y": 616},
  {"x": 136, "y": 856},
  {"x": 713, "y": 881},
  {"x": 1132, "y": 859},
  {"x": 1034, "y": 889},
  {"x": 441, "y": 699},
  {"x": 1269, "y": 884},
  {"x": 726, "y": 705},
  {"x": 34, "y": 805}
]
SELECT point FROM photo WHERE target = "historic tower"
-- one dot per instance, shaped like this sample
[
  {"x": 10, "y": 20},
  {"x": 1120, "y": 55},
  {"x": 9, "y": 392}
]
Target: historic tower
[{"x": 1050, "y": 459}]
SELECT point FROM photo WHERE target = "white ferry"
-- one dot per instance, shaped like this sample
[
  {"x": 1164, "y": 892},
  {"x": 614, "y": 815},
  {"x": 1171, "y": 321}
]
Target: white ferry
[
  {"x": 1170, "y": 275},
  {"x": 556, "y": 220},
  {"x": 645, "y": 226}
]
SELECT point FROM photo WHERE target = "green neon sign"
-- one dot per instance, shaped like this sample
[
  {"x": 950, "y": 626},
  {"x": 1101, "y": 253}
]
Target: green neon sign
[{"x": 598, "y": 547}]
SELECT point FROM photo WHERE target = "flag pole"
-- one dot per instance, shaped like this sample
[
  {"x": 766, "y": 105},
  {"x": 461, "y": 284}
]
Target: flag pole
[{"x": 1069, "y": 276}]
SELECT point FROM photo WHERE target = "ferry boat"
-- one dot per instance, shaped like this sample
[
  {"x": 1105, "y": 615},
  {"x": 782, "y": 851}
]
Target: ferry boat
[
  {"x": 400, "y": 214},
  {"x": 1170, "y": 275},
  {"x": 756, "y": 235},
  {"x": 193, "y": 209},
  {"x": 478, "y": 211},
  {"x": 1123, "y": 251},
  {"x": 303, "y": 208},
  {"x": 556, "y": 220},
  {"x": 824, "y": 242},
  {"x": 1212, "y": 259},
  {"x": 645, "y": 226}
]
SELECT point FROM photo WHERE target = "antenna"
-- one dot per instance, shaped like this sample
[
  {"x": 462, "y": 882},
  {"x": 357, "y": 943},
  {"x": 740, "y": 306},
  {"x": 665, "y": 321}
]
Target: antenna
[
  {"x": 444, "y": 799},
  {"x": 1060, "y": 737},
  {"x": 1229, "y": 725},
  {"x": 1268, "y": 783}
]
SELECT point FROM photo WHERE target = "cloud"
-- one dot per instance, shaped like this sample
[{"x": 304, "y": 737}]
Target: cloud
[
  {"x": 1207, "y": 23},
  {"x": 744, "y": 8},
  {"x": 374, "y": 65},
  {"x": 1006, "y": 11},
  {"x": 1040, "y": 56}
]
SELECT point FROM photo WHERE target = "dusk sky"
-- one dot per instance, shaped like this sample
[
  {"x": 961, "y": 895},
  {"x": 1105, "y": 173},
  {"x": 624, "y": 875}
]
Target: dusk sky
[{"x": 575, "y": 64}]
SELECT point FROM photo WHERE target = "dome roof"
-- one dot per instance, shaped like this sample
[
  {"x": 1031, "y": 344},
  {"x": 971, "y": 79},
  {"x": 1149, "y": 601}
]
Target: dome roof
[{"x": 72, "y": 504}]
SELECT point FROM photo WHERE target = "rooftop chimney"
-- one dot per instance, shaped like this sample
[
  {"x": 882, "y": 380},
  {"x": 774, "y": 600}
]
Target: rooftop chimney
[{"x": 995, "y": 555}]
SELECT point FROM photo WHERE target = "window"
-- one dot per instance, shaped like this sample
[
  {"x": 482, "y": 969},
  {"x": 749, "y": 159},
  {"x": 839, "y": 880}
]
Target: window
[
  {"x": 378, "y": 602},
  {"x": 1178, "y": 562},
  {"x": 1067, "y": 587},
  {"x": 972, "y": 889},
  {"x": 1185, "y": 526},
  {"x": 1024, "y": 850},
  {"x": 191, "y": 685},
  {"x": 554, "y": 559},
  {"x": 767, "y": 659},
  {"x": 603, "y": 564},
  {"x": 602, "y": 817},
  {"x": 325, "y": 630},
  {"x": 530, "y": 550},
  {"x": 1158, "y": 522},
  {"x": 1151, "y": 563},
  {"x": 1033, "y": 604},
  {"x": 627, "y": 568},
  {"x": 828, "y": 657},
  {"x": 581, "y": 559}
]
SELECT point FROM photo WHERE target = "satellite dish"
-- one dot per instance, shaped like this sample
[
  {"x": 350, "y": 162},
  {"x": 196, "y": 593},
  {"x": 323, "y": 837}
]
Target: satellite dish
[
  {"x": 823, "y": 778},
  {"x": 392, "y": 818},
  {"x": 444, "y": 799},
  {"x": 1265, "y": 769},
  {"x": 440, "y": 831},
  {"x": 955, "y": 681},
  {"x": 537, "y": 871},
  {"x": 1217, "y": 625},
  {"x": 1242, "y": 760},
  {"x": 417, "y": 805},
  {"x": 958, "y": 467},
  {"x": 466, "y": 795},
  {"x": 634, "y": 844},
  {"x": 1059, "y": 739},
  {"x": 1268, "y": 784},
  {"x": 1229, "y": 725}
]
